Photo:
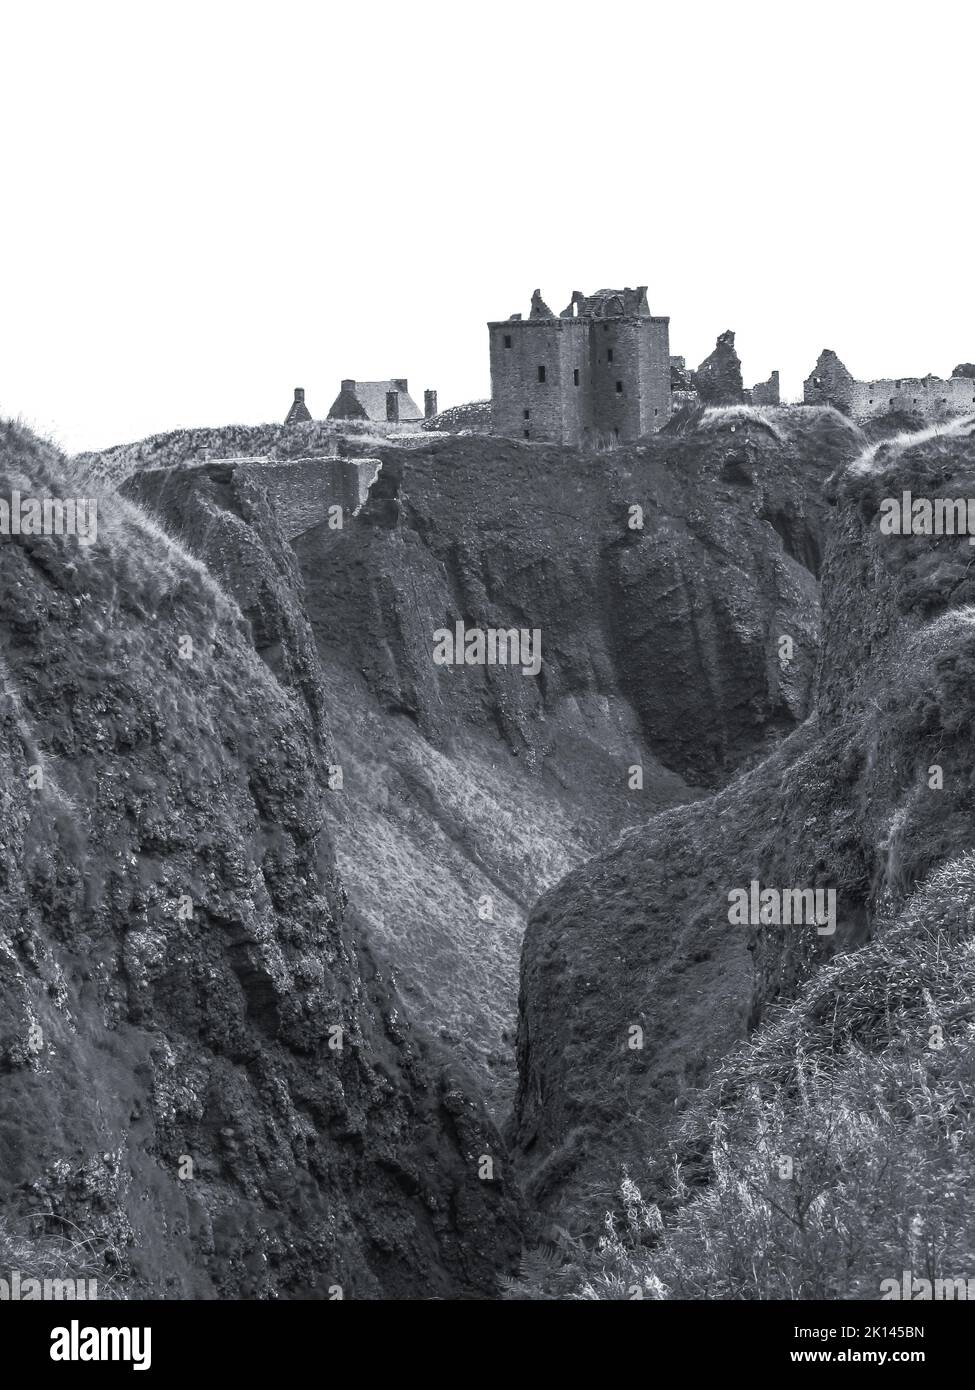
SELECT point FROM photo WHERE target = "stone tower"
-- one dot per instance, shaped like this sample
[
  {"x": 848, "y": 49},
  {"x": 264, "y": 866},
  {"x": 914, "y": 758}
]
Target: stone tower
[{"x": 600, "y": 368}]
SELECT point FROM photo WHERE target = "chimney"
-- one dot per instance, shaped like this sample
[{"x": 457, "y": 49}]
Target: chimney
[
  {"x": 392, "y": 406},
  {"x": 348, "y": 384},
  {"x": 299, "y": 395},
  {"x": 400, "y": 383},
  {"x": 429, "y": 404}
]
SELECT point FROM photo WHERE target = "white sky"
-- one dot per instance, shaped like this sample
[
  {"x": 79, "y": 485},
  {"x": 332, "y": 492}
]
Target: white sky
[{"x": 204, "y": 204}]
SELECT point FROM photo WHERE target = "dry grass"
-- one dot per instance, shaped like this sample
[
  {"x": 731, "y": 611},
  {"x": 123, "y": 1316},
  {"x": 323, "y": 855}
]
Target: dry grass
[
  {"x": 27, "y": 1247},
  {"x": 716, "y": 416},
  {"x": 885, "y": 451}
]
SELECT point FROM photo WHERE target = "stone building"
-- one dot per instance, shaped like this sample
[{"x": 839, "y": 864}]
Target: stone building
[
  {"x": 379, "y": 400},
  {"x": 929, "y": 397},
  {"x": 600, "y": 368}
]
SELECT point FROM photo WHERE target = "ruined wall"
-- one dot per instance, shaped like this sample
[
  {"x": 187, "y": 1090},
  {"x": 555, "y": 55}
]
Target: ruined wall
[
  {"x": 718, "y": 378},
  {"x": 302, "y": 490},
  {"x": 930, "y": 397},
  {"x": 829, "y": 383},
  {"x": 766, "y": 392}
]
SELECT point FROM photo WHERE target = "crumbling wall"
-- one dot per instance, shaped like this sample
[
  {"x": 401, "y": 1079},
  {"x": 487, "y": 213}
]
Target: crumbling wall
[
  {"x": 929, "y": 398},
  {"x": 830, "y": 383},
  {"x": 718, "y": 378},
  {"x": 766, "y": 392}
]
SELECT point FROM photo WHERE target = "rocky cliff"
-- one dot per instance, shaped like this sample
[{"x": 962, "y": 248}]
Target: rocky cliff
[
  {"x": 869, "y": 797},
  {"x": 205, "y": 1071},
  {"x": 674, "y": 589},
  {"x": 662, "y": 580}
]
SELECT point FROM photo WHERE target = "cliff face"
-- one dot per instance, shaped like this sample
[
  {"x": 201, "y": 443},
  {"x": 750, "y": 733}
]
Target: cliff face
[
  {"x": 204, "y": 1069},
  {"x": 468, "y": 790},
  {"x": 867, "y": 798},
  {"x": 679, "y": 609},
  {"x": 673, "y": 590}
]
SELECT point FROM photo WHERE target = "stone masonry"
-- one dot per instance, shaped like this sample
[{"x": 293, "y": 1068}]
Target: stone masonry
[
  {"x": 599, "y": 370},
  {"x": 930, "y": 397}
]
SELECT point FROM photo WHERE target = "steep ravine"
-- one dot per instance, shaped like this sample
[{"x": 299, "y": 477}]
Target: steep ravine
[
  {"x": 661, "y": 651},
  {"x": 467, "y": 791},
  {"x": 464, "y": 792}
]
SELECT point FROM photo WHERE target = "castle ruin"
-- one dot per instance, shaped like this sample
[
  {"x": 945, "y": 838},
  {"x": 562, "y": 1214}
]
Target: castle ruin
[
  {"x": 601, "y": 367},
  {"x": 930, "y": 398}
]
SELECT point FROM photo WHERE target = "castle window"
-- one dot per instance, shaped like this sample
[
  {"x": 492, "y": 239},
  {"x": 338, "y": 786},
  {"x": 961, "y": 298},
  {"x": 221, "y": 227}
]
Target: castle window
[
  {"x": 528, "y": 414},
  {"x": 619, "y": 388},
  {"x": 609, "y": 355},
  {"x": 541, "y": 373},
  {"x": 655, "y": 410},
  {"x": 528, "y": 434},
  {"x": 575, "y": 376},
  {"x": 507, "y": 340}
]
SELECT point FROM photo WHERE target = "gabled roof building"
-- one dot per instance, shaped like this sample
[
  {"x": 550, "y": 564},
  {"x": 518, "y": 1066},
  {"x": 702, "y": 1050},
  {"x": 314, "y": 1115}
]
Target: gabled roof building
[{"x": 375, "y": 400}]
